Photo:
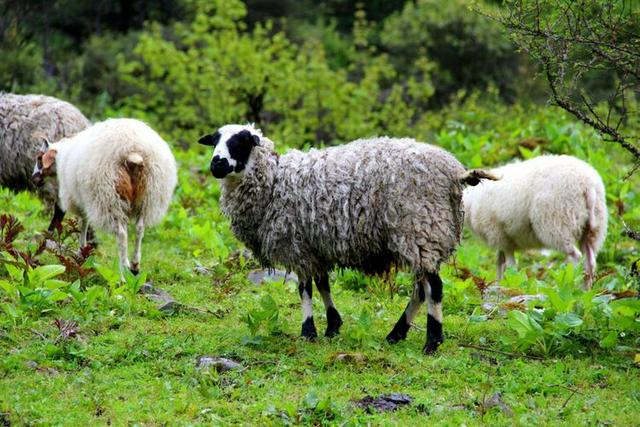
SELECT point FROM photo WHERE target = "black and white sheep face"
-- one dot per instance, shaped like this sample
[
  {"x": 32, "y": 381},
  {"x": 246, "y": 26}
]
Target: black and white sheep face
[{"x": 233, "y": 145}]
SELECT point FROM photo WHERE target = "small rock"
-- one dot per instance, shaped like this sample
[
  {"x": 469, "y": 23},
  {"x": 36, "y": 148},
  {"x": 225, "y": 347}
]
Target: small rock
[
  {"x": 156, "y": 294},
  {"x": 166, "y": 302},
  {"x": 201, "y": 269},
  {"x": 459, "y": 407},
  {"x": 522, "y": 299},
  {"x": 261, "y": 276},
  {"x": 496, "y": 400},
  {"x": 220, "y": 364},
  {"x": 494, "y": 291},
  {"x": 170, "y": 307},
  {"x": 54, "y": 246},
  {"x": 384, "y": 402},
  {"x": 489, "y": 306},
  {"x": 350, "y": 358}
]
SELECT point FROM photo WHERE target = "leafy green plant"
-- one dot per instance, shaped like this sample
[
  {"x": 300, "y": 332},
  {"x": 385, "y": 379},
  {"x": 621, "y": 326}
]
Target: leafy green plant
[
  {"x": 122, "y": 290},
  {"x": 570, "y": 318},
  {"x": 350, "y": 279},
  {"x": 362, "y": 330},
  {"x": 32, "y": 291},
  {"x": 266, "y": 317}
]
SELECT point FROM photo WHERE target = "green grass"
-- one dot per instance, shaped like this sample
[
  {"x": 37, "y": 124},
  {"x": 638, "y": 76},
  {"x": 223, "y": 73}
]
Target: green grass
[{"x": 132, "y": 365}]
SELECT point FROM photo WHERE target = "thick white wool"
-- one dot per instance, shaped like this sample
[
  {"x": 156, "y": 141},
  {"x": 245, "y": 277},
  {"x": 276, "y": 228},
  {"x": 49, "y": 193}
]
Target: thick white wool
[
  {"x": 553, "y": 202},
  {"x": 88, "y": 165}
]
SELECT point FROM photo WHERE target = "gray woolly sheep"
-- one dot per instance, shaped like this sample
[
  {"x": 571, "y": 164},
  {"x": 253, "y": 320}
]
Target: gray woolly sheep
[
  {"x": 553, "y": 202},
  {"x": 367, "y": 205},
  {"x": 26, "y": 121},
  {"x": 113, "y": 172}
]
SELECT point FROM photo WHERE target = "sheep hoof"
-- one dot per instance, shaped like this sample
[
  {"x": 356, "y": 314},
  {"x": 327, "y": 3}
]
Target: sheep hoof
[
  {"x": 135, "y": 269},
  {"x": 334, "y": 321},
  {"x": 399, "y": 331},
  {"x": 396, "y": 336},
  {"x": 431, "y": 346},
  {"x": 309, "y": 329}
]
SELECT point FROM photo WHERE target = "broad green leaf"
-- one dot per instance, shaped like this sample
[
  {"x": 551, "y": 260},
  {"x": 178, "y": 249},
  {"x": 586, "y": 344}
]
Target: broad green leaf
[
  {"x": 55, "y": 284},
  {"x": 17, "y": 274},
  {"x": 610, "y": 340},
  {"x": 39, "y": 274},
  {"x": 570, "y": 320}
]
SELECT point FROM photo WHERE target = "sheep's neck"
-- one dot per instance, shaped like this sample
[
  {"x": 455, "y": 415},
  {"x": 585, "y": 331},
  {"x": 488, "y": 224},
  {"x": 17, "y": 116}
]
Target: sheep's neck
[{"x": 245, "y": 200}]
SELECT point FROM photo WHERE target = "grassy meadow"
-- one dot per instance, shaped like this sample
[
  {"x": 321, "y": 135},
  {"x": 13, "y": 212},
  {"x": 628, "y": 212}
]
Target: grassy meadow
[
  {"x": 79, "y": 347},
  {"x": 127, "y": 363}
]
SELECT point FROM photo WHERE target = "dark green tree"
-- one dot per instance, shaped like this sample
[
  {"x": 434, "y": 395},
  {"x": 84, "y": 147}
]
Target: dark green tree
[{"x": 577, "y": 43}]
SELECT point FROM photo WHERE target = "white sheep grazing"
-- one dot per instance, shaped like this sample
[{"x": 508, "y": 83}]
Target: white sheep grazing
[
  {"x": 110, "y": 173},
  {"x": 553, "y": 202},
  {"x": 369, "y": 204},
  {"x": 26, "y": 121}
]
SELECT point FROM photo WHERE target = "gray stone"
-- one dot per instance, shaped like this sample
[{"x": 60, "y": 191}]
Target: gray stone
[
  {"x": 261, "y": 276},
  {"x": 523, "y": 299},
  {"x": 220, "y": 364},
  {"x": 156, "y": 294},
  {"x": 384, "y": 402}
]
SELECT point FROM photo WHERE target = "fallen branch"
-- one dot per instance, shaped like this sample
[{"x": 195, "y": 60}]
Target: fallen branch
[
  {"x": 504, "y": 353},
  {"x": 568, "y": 399}
]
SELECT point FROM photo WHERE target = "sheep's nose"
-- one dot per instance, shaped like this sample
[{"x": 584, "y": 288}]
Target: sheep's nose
[
  {"x": 220, "y": 167},
  {"x": 37, "y": 179}
]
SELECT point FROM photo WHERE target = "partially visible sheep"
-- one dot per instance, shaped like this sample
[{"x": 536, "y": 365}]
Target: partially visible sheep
[
  {"x": 368, "y": 204},
  {"x": 110, "y": 173},
  {"x": 554, "y": 202},
  {"x": 26, "y": 121}
]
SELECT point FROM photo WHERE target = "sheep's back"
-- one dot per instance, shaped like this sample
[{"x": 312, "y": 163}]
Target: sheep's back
[
  {"x": 89, "y": 167},
  {"x": 539, "y": 193},
  {"x": 25, "y": 121},
  {"x": 366, "y": 204}
]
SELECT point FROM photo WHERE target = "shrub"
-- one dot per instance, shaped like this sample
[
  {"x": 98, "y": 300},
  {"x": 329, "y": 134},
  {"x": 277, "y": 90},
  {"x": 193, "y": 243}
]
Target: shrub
[
  {"x": 470, "y": 50},
  {"x": 190, "y": 78}
]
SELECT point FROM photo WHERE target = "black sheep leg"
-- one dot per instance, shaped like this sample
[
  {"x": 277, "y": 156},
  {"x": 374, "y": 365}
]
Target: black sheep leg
[
  {"x": 434, "y": 313},
  {"x": 56, "y": 221},
  {"x": 399, "y": 331},
  {"x": 334, "y": 321},
  {"x": 305, "y": 289}
]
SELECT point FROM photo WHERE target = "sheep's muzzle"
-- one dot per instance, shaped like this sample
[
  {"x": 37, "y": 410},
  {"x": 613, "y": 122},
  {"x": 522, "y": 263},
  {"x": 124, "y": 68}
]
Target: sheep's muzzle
[
  {"x": 220, "y": 167},
  {"x": 37, "y": 178}
]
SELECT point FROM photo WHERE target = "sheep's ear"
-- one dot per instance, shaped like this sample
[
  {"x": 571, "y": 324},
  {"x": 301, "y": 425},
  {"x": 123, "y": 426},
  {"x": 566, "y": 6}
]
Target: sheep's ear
[
  {"x": 210, "y": 140},
  {"x": 48, "y": 159},
  {"x": 256, "y": 140}
]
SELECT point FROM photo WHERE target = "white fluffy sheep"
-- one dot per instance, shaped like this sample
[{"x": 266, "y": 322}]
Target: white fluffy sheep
[
  {"x": 110, "y": 173},
  {"x": 368, "y": 205},
  {"x": 553, "y": 202},
  {"x": 26, "y": 121}
]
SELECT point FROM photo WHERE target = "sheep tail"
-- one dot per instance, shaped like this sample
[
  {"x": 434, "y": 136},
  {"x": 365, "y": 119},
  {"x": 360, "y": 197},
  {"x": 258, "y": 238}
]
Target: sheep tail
[
  {"x": 473, "y": 176},
  {"x": 132, "y": 182},
  {"x": 134, "y": 159},
  {"x": 590, "y": 237},
  {"x": 590, "y": 198}
]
